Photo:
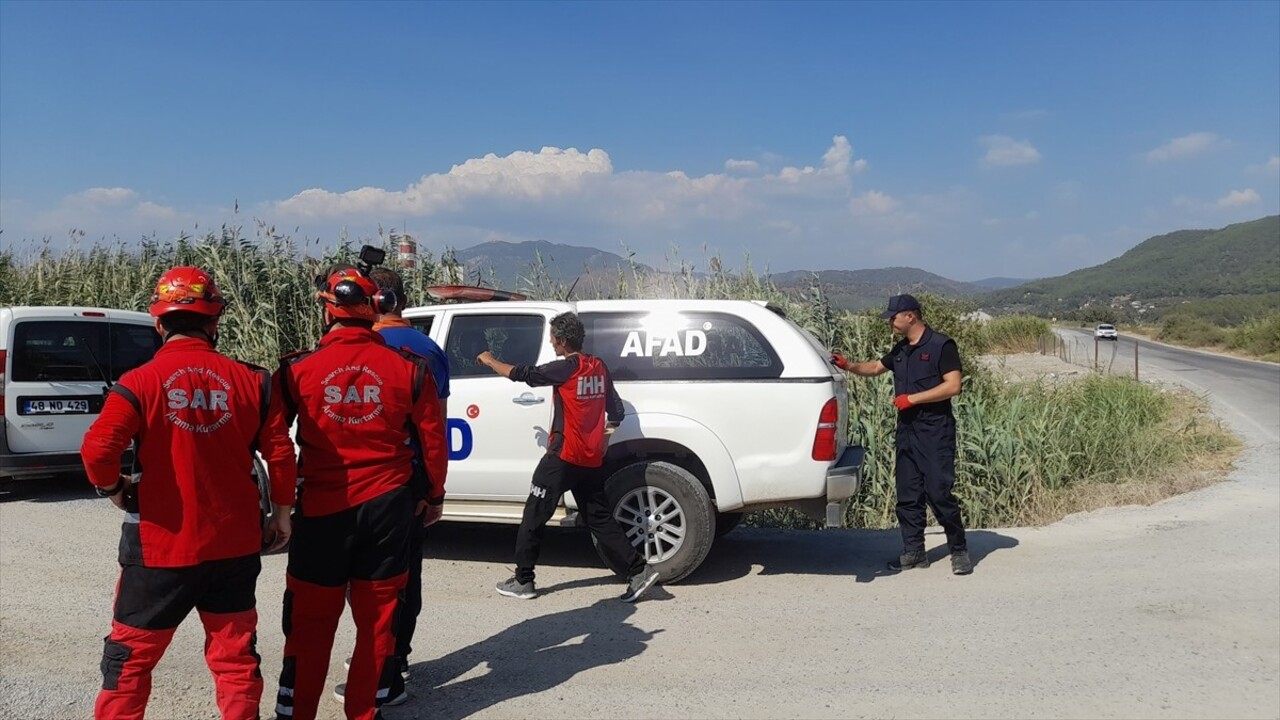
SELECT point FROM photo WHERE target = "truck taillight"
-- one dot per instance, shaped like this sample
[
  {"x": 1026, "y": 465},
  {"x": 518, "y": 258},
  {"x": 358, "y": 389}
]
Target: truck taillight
[
  {"x": 824, "y": 438},
  {"x": 3, "y": 357}
]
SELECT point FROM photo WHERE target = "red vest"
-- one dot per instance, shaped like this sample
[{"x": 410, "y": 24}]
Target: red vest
[{"x": 580, "y": 404}]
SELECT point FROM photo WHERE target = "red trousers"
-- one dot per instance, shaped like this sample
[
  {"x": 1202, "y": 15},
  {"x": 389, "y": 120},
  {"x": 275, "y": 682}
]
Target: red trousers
[
  {"x": 365, "y": 550},
  {"x": 150, "y": 605}
]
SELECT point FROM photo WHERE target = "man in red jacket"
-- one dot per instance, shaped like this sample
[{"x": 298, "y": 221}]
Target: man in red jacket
[
  {"x": 193, "y": 530},
  {"x": 358, "y": 402},
  {"x": 584, "y": 398}
]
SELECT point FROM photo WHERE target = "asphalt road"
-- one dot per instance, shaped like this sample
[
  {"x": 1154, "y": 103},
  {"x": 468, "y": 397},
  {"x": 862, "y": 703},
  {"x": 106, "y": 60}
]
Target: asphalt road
[
  {"x": 1231, "y": 381},
  {"x": 1166, "y": 611}
]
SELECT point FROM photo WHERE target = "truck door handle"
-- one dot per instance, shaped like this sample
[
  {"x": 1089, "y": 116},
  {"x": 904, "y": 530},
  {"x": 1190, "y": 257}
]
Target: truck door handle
[{"x": 528, "y": 399}]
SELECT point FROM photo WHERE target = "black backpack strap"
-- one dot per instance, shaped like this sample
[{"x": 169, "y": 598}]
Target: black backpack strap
[
  {"x": 264, "y": 402},
  {"x": 128, "y": 395},
  {"x": 290, "y": 402},
  {"x": 421, "y": 368}
]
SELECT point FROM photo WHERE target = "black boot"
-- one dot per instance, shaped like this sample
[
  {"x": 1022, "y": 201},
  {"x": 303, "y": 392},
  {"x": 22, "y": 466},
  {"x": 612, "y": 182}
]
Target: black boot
[{"x": 909, "y": 560}]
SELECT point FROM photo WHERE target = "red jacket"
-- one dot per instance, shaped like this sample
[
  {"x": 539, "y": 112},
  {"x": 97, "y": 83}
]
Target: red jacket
[
  {"x": 357, "y": 401},
  {"x": 196, "y": 414}
]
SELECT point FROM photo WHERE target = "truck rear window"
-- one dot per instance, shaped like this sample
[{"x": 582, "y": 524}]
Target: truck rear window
[
  {"x": 73, "y": 351},
  {"x": 680, "y": 346}
]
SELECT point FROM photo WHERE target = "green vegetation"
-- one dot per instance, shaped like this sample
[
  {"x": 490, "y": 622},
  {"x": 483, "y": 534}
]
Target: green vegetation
[
  {"x": 1173, "y": 272},
  {"x": 1016, "y": 334},
  {"x": 1025, "y": 450},
  {"x": 1259, "y": 337}
]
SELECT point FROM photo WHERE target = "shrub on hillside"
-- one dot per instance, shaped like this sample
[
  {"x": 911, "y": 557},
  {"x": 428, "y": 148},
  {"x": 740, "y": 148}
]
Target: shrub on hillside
[
  {"x": 1259, "y": 337},
  {"x": 1193, "y": 331}
]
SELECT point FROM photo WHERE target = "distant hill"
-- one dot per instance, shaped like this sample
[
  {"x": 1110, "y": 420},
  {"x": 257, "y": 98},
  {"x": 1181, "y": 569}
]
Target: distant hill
[
  {"x": 861, "y": 289},
  {"x": 1000, "y": 283},
  {"x": 1161, "y": 275},
  {"x": 514, "y": 266}
]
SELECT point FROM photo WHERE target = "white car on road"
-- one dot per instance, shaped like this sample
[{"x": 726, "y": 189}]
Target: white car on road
[{"x": 1106, "y": 331}]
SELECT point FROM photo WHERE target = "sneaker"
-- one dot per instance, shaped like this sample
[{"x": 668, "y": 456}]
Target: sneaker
[
  {"x": 960, "y": 563},
  {"x": 511, "y": 587},
  {"x": 639, "y": 583},
  {"x": 404, "y": 666},
  {"x": 340, "y": 694},
  {"x": 909, "y": 560}
]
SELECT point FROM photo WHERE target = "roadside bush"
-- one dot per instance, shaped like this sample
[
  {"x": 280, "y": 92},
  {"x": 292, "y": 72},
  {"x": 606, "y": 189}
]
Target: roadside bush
[
  {"x": 1260, "y": 337},
  {"x": 1016, "y": 334},
  {"x": 1193, "y": 331}
]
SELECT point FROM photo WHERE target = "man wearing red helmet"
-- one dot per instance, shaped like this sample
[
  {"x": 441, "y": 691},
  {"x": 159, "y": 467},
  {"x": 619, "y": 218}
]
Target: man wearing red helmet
[
  {"x": 358, "y": 403},
  {"x": 193, "y": 530}
]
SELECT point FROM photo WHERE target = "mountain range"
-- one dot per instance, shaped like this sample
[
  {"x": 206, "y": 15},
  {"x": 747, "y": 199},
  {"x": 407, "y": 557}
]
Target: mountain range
[{"x": 1213, "y": 271}]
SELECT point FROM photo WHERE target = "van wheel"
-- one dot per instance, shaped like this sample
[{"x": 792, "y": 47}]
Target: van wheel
[
  {"x": 666, "y": 513},
  {"x": 727, "y": 521}
]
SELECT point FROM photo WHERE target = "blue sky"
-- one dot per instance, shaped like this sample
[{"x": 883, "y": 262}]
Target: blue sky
[{"x": 967, "y": 139}]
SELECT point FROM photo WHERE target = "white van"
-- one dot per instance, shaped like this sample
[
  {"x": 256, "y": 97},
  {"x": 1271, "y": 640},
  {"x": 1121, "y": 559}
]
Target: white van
[{"x": 55, "y": 366}]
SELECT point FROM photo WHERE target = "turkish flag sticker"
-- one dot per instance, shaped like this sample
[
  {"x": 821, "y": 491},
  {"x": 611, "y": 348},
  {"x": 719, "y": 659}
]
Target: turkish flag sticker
[{"x": 473, "y": 411}]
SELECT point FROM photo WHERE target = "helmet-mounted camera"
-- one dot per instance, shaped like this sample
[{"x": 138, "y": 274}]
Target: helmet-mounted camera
[{"x": 350, "y": 293}]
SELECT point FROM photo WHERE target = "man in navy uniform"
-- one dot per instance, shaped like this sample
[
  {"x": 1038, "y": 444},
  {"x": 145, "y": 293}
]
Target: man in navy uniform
[{"x": 926, "y": 375}]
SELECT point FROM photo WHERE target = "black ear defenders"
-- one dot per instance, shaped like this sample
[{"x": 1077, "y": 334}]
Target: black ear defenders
[
  {"x": 386, "y": 301},
  {"x": 348, "y": 292}
]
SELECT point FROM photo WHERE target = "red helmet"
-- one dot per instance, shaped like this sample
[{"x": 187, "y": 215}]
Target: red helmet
[
  {"x": 348, "y": 293},
  {"x": 186, "y": 289}
]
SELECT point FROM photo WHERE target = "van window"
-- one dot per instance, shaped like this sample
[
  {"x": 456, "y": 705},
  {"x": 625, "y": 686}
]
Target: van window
[
  {"x": 680, "y": 346},
  {"x": 513, "y": 339},
  {"x": 73, "y": 351}
]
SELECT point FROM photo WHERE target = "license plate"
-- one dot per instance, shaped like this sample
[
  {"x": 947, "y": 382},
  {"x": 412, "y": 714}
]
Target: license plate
[{"x": 55, "y": 407}]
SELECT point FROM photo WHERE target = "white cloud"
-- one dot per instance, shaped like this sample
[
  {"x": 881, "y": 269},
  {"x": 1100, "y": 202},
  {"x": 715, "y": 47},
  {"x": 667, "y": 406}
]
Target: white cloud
[
  {"x": 103, "y": 196},
  {"x": 1004, "y": 151},
  {"x": 1273, "y": 164},
  {"x": 522, "y": 175},
  {"x": 102, "y": 211},
  {"x": 1238, "y": 198},
  {"x": 1270, "y": 167},
  {"x": 783, "y": 214},
  {"x": 741, "y": 165},
  {"x": 1184, "y": 147},
  {"x": 872, "y": 202},
  {"x": 836, "y": 163}
]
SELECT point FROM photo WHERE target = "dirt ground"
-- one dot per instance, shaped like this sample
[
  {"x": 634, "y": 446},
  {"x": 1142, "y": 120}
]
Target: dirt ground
[{"x": 1032, "y": 366}]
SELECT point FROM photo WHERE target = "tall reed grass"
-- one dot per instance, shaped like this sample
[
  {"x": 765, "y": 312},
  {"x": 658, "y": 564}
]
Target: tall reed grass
[{"x": 1017, "y": 444}]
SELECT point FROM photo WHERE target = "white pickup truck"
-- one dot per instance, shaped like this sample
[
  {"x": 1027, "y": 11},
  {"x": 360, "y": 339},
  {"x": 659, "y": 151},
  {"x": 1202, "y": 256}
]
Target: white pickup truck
[{"x": 731, "y": 407}]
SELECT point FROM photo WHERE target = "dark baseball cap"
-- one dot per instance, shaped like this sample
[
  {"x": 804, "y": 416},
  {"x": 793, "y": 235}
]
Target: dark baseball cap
[{"x": 900, "y": 303}]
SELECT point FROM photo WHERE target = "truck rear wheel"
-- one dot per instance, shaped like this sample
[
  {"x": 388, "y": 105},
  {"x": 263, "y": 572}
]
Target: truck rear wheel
[{"x": 667, "y": 515}]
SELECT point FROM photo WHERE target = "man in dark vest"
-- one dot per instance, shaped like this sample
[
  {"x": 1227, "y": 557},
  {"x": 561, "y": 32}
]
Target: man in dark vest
[{"x": 926, "y": 375}]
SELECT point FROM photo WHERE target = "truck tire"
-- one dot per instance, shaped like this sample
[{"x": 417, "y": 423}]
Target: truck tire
[
  {"x": 666, "y": 513},
  {"x": 727, "y": 521}
]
